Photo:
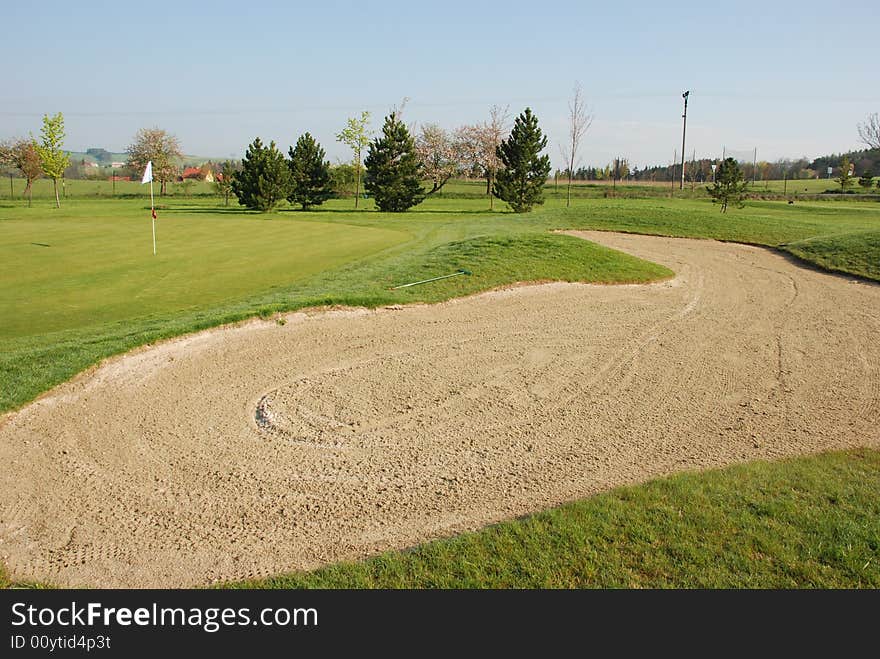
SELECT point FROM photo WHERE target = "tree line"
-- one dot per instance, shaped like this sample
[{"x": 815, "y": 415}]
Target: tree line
[{"x": 396, "y": 163}]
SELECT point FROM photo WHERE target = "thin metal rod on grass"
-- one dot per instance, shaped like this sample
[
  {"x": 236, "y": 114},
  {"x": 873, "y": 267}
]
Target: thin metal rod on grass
[{"x": 425, "y": 281}]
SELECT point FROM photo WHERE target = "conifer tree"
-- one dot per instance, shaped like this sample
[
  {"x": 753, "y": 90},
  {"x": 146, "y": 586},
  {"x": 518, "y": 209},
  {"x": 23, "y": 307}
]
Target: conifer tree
[
  {"x": 521, "y": 180},
  {"x": 729, "y": 185},
  {"x": 845, "y": 177},
  {"x": 393, "y": 169},
  {"x": 310, "y": 173},
  {"x": 264, "y": 179}
]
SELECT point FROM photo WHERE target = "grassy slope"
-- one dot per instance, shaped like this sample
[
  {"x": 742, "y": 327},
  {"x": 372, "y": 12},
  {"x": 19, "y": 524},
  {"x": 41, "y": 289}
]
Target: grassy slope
[
  {"x": 836, "y": 236},
  {"x": 804, "y": 523},
  {"x": 855, "y": 253}
]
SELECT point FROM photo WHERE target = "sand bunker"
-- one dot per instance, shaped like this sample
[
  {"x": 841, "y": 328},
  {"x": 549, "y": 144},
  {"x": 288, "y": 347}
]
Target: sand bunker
[{"x": 260, "y": 449}]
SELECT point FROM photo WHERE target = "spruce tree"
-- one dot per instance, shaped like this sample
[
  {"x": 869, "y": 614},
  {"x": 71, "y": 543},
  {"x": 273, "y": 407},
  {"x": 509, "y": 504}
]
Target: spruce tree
[
  {"x": 264, "y": 179},
  {"x": 729, "y": 185},
  {"x": 310, "y": 173},
  {"x": 393, "y": 169},
  {"x": 845, "y": 177},
  {"x": 521, "y": 180}
]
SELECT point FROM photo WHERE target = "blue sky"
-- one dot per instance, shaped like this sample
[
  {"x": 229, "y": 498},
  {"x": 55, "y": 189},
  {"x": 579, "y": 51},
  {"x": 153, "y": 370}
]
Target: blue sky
[{"x": 791, "y": 79}]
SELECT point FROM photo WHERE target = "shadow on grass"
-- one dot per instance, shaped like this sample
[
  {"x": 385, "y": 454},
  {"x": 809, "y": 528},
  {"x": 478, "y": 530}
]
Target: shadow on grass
[{"x": 223, "y": 210}]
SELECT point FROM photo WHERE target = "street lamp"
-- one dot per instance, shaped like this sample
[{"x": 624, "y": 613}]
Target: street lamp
[
  {"x": 683, "y": 133},
  {"x": 713, "y": 171}
]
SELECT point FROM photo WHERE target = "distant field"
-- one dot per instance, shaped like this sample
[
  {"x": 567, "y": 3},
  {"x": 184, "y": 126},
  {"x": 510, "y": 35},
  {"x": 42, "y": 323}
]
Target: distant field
[{"x": 474, "y": 189}]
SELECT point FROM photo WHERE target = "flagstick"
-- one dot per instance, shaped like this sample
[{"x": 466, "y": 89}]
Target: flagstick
[{"x": 153, "y": 215}]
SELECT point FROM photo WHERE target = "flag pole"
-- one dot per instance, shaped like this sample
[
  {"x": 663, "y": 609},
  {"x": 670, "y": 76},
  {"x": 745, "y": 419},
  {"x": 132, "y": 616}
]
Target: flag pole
[{"x": 153, "y": 215}]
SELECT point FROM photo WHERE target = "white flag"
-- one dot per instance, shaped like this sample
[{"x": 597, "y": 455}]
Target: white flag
[{"x": 148, "y": 173}]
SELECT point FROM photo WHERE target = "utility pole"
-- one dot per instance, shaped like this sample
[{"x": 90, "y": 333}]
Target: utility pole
[{"x": 683, "y": 133}]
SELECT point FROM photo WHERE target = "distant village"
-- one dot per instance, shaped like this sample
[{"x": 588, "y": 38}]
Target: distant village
[{"x": 100, "y": 164}]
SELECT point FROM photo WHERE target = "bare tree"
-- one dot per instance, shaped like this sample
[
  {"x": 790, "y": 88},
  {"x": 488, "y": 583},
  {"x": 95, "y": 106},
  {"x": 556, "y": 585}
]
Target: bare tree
[
  {"x": 22, "y": 154},
  {"x": 579, "y": 121},
  {"x": 159, "y": 147},
  {"x": 870, "y": 131},
  {"x": 494, "y": 131}
]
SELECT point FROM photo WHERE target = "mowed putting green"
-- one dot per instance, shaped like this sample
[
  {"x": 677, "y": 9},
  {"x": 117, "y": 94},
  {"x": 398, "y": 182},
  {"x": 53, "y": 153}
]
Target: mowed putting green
[{"x": 74, "y": 268}]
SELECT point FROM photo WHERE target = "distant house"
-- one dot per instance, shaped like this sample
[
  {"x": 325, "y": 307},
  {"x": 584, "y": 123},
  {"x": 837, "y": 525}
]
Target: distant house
[
  {"x": 197, "y": 174},
  {"x": 117, "y": 165}
]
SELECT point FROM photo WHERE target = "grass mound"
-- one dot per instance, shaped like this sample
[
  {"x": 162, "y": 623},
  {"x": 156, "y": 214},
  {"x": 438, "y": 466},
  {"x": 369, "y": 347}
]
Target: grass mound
[
  {"x": 499, "y": 260},
  {"x": 854, "y": 253}
]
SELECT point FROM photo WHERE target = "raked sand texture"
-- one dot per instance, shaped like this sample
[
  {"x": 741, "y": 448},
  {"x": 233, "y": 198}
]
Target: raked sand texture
[{"x": 259, "y": 449}]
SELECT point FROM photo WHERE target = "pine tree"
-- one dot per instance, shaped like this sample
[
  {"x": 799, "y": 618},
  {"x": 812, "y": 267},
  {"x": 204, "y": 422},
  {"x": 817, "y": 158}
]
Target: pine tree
[
  {"x": 264, "y": 179},
  {"x": 845, "y": 177},
  {"x": 521, "y": 180},
  {"x": 393, "y": 169},
  {"x": 867, "y": 179},
  {"x": 310, "y": 173},
  {"x": 729, "y": 185}
]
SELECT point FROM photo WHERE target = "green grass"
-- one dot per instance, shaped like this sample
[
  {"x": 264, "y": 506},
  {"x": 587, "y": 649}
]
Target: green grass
[
  {"x": 804, "y": 523},
  {"x": 469, "y": 189},
  {"x": 856, "y": 253},
  {"x": 63, "y": 273}
]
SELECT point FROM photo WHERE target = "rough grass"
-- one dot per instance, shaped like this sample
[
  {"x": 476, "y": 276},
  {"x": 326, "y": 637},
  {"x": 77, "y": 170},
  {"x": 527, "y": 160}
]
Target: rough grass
[{"x": 810, "y": 522}]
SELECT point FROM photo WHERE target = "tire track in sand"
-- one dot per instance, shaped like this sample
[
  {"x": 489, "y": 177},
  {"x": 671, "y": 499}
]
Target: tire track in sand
[{"x": 388, "y": 428}]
